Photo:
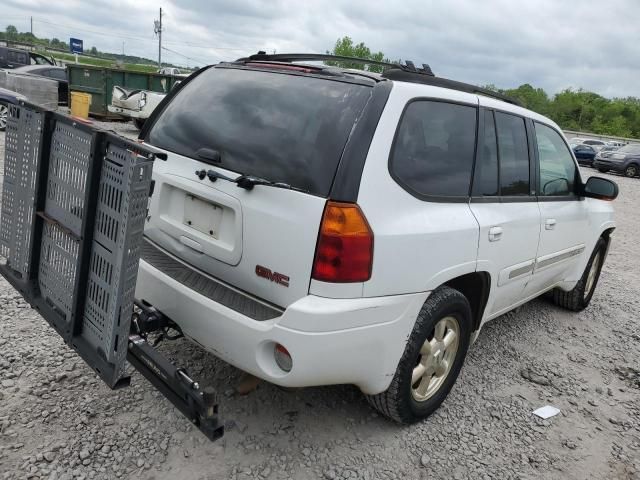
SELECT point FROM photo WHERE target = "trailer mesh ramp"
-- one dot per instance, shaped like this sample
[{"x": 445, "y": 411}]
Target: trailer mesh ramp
[{"x": 74, "y": 203}]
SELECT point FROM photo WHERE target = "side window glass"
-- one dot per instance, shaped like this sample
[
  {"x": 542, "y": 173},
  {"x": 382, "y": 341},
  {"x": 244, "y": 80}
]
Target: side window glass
[
  {"x": 434, "y": 149},
  {"x": 485, "y": 183},
  {"x": 514, "y": 155},
  {"x": 557, "y": 169}
]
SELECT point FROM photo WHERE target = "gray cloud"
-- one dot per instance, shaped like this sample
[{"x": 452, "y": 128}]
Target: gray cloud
[{"x": 546, "y": 43}]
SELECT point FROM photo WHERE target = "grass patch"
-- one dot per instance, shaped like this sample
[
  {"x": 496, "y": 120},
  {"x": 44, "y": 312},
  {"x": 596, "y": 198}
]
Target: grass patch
[{"x": 102, "y": 62}]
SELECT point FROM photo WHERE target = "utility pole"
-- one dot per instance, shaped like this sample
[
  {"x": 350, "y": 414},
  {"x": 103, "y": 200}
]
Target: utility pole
[
  {"x": 157, "y": 28},
  {"x": 32, "y": 26}
]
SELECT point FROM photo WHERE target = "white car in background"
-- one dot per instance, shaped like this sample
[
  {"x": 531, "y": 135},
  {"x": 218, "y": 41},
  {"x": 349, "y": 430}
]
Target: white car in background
[
  {"x": 595, "y": 144},
  {"x": 134, "y": 104}
]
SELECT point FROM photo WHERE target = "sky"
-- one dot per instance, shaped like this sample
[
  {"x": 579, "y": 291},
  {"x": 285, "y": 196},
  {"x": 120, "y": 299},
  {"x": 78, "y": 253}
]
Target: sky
[{"x": 553, "y": 44}]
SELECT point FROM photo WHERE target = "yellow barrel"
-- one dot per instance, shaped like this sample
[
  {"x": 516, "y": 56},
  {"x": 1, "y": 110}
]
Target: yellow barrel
[{"x": 80, "y": 102}]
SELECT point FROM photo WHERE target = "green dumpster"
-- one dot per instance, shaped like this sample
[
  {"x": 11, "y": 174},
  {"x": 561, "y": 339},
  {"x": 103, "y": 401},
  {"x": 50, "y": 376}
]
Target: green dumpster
[{"x": 99, "y": 82}]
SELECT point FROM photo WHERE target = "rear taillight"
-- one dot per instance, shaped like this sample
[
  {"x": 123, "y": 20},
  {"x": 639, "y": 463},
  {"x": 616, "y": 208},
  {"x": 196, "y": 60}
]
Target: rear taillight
[{"x": 345, "y": 245}]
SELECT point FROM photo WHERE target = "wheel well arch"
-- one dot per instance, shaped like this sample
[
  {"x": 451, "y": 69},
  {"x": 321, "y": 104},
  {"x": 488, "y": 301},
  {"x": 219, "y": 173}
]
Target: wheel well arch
[
  {"x": 475, "y": 286},
  {"x": 606, "y": 236}
]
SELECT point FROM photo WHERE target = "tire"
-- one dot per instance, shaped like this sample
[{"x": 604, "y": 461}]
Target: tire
[
  {"x": 403, "y": 401},
  {"x": 603, "y": 170},
  {"x": 4, "y": 116},
  {"x": 139, "y": 123},
  {"x": 631, "y": 171},
  {"x": 579, "y": 297}
]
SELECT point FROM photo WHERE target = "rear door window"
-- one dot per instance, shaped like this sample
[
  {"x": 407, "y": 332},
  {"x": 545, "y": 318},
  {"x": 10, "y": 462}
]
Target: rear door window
[
  {"x": 282, "y": 127},
  {"x": 514, "y": 155},
  {"x": 434, "y": 149}
]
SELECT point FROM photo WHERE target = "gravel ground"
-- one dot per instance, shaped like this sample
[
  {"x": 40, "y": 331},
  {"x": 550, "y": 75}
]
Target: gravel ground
[{"x": 58, "y": 421}]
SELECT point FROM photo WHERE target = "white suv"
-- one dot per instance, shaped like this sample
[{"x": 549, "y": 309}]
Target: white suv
[{"x": 315, "y": 225}]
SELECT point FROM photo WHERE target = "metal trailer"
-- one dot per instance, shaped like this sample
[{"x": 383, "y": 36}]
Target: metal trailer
[
  {"x": 99, "y": 82},
  {"x": 74, "y": 205}
]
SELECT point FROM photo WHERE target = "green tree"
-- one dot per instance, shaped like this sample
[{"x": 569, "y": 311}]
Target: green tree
[
  {"x": 535, "y": 99},
  {"x": 345, "y": 47},
  {"x": 12, "y": 32}
]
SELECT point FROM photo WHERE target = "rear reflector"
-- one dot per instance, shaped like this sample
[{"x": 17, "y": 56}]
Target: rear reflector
[
  {"x": 345, "y": 245},
  {"x": 283, "y": 358}
]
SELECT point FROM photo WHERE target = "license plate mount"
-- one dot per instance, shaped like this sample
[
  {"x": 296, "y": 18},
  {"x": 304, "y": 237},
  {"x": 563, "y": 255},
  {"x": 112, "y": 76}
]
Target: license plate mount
[{"x": 203, "y": 216}]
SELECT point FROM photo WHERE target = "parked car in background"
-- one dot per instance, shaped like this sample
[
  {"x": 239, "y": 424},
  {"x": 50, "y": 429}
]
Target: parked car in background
[
  {"x": 59, "y": 74},
  {"x": 585, "y": 154},
  {"x": 615, "y": 143},
  {"x": 169, "y": 71},
  {"x": 625, "y": 160},
  {"x": 7, "y": 97},
  {"x": 134, "y": 104},
  {"x": 15, "y": 57},
  {"x": 609, "y": 148},
  {"x": 596, "y": 144}
]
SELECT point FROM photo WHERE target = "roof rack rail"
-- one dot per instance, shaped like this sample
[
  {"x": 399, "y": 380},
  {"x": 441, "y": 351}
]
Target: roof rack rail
[
  {"x": 301, "y": 57},
  {"x": 412, "y": 77},
  {"x": 394, "y": 71}
]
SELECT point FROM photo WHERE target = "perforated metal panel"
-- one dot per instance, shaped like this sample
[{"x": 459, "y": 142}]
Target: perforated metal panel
[
  {"x": 73, "y": 210},
  {"x": 22, "y": 152},
  {"x": 57, "y": 268},
  {"x": 115, "y": 254},
  {"x": 68, "y": 167}
]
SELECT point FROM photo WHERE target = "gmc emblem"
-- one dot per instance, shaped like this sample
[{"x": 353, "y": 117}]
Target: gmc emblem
[{"x": 276, "y": 277}]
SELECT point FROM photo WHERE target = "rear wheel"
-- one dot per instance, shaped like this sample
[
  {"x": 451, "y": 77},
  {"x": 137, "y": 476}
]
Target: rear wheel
[
  {"x": 432, "y": 359},
  {"x": 631, "y": 170},
  {"x": 579, "y": 297},
  {"x": 4, "y": 115}
]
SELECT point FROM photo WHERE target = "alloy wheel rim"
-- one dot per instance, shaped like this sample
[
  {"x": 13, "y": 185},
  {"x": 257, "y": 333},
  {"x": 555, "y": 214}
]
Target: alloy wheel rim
[
  {"x": 631, "y": 171},
  {"x": 591, "y": 277},
  {"x": 4, "y": 113},
  {"x": 436, "y": 359}
]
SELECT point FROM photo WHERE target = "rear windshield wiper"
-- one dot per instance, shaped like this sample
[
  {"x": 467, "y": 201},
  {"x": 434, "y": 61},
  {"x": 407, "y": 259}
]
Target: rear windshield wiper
[
  {"x": 249, "y": 181},
  {"x": 245, "y": 181}
]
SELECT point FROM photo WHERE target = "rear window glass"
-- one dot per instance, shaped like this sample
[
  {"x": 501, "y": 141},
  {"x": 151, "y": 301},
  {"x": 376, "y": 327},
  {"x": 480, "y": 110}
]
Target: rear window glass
[
  {"x": 285, "y": 128},
  {"x": 434, "y": 149}
]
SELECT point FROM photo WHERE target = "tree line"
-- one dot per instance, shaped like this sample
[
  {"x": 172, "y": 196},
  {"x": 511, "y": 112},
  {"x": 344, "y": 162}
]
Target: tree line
[{"x": 579, "y": 110}]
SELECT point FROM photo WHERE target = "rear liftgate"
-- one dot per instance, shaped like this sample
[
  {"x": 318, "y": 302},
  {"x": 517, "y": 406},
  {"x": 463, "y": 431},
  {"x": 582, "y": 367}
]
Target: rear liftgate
[{"x": 74, "y": 203}]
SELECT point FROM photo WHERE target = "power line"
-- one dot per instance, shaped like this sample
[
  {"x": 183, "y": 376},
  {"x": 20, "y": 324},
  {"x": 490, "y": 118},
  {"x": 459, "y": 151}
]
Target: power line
[
  {"x": 144, "y": 39},
  {"x": 106, "y": 34},
  {"x": 185, "y": 56}
]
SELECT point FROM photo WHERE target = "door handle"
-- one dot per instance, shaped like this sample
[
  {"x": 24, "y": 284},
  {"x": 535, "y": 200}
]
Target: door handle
[
  {"x": 495, "y": 234},
  {"x": 550, "y": 224}
]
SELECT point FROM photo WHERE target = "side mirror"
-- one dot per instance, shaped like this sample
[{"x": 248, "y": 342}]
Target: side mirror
[{"x": 600, "y": 188}]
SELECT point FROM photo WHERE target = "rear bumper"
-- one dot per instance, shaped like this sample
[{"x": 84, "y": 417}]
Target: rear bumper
[
  {"x": 127, "y": 112},
  {"x": 331, "y": 341}
]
